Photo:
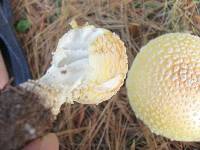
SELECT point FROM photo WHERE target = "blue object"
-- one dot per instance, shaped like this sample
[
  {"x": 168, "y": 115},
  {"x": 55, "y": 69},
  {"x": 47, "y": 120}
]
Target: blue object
[{"x": 12, "y": 52}]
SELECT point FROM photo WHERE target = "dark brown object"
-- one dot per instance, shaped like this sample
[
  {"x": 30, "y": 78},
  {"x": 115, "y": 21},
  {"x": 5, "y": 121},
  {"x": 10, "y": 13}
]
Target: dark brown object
[{"x": 22, "y": 118}]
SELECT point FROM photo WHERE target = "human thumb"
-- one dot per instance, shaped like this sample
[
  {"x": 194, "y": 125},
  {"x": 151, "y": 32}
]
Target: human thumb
[{"x": 48, "y": 142}]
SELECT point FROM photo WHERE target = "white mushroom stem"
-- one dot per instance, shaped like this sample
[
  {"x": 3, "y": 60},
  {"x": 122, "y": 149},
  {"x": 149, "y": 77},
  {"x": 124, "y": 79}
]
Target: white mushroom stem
[
  {"x": 51, "y": 99},
  {"x": 88, "y": 66}
]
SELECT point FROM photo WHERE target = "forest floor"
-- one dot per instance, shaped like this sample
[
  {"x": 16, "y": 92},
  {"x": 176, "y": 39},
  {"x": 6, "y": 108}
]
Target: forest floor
[{"x": 111, "y": 125}]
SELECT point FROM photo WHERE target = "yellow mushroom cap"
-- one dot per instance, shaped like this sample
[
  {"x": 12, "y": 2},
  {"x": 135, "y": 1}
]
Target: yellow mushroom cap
[
  {"x": 89, "y": 65},
  {"x": 164, "y": 86}
]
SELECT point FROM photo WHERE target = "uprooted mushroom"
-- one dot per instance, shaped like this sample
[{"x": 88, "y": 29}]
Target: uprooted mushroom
[{"x": 88, "y": 66}]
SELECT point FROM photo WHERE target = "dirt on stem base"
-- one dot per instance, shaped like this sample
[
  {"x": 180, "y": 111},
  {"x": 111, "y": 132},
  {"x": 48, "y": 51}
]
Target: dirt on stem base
[{"x": 22, "y": 118}]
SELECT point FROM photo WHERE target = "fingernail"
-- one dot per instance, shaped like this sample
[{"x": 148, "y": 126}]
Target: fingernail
[{"x": 49, "y": 142}]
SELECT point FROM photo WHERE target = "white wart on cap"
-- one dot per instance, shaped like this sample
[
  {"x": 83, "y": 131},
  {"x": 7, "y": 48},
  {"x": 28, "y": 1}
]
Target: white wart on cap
[{"x": 164, "y": 86}]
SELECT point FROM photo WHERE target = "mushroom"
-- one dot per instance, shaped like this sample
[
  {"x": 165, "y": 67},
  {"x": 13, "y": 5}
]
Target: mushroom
[
  {"x": 89, "y": 66},
  {"x": 164, "y": 86}
]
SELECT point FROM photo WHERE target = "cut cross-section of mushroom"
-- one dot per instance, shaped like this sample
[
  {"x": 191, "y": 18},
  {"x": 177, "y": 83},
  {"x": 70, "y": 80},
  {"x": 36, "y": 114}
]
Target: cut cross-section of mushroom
[
  {"x": 89, "y": 66},
  {"x": 164, "y": 86}
]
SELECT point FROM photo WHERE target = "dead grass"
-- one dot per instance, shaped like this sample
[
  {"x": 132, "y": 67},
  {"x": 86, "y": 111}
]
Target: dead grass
[{"x": 112, "y": 124}]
